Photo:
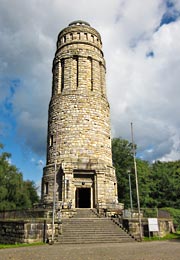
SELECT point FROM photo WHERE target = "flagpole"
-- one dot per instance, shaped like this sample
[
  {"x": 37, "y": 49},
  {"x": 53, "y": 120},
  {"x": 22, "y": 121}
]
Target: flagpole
[{"x": 137, "y": 188}]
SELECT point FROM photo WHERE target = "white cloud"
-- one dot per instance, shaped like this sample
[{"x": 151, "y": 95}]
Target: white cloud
[
  {"x": 38, "y": 187},
  {"x": 141, "y": 89},
  {"x": 39, "y": 163},
  {"x": 145, "y": 90}
]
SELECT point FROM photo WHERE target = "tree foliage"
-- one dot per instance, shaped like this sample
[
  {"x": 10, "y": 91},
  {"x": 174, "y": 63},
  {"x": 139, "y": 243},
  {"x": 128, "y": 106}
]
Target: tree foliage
[
  {"x": 165, "y": 177},
  {"x": 159, "y": 182},
  {"x": 15, "y": 193},
  {"x": 123, "y": 162}
]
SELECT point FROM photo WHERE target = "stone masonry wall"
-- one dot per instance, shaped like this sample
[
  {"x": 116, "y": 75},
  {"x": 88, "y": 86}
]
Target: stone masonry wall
[
  {"x": 12, "y": 232},
  {"x": 166, "y": 226},
  {"x": 79, "y": 136},
  {"x": 79, "y": 110}
]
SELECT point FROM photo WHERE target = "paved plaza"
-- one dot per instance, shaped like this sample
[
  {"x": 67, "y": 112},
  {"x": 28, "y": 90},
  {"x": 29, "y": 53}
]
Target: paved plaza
[{"x": 159, "y": 250}]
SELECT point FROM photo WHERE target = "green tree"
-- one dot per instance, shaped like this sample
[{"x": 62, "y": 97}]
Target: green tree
[
  {"x": 31, "y": 191},
  {"x": 159, "y": 182},
  {"x": 123, "y": 162},
  {"x": 14, "y": 192},
  {"x": 144, "y": 183},
  {"x": 165, "y": 178}
]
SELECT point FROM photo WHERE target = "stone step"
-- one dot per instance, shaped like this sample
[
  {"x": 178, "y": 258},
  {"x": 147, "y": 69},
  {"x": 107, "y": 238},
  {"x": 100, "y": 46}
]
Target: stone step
[
  {"x": 84, "y": 213},
  {"x": 94, "y": 232},
  {"x": 96, "y": 240},
  {"x": 91, "y": 242},
  {"x": 87, "y": 241},
  {"x": 106, "y": 235},
  {"x": 87, "y": 227},
  {"x": 84, "y": 220}
]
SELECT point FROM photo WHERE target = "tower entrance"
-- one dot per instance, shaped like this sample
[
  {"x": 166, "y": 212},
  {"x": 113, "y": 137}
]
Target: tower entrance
[
  {"x": 83, "y": 197},
  {"x": 84, "y": 189}
]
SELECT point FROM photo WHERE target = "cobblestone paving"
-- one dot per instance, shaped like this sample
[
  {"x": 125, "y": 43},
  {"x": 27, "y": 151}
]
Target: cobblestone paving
[{"x": 166, "y": 250}]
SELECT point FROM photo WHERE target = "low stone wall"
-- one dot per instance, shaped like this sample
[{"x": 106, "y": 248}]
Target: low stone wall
[
  {"x": 29, "y": 226},
  {"x": 30, "y": 231},
  {"x": 35, "y": 214},
  {"x": 24, "y": 214},
  {"x": 132, "y": 226},
  {"x": 12, "y": 232}
]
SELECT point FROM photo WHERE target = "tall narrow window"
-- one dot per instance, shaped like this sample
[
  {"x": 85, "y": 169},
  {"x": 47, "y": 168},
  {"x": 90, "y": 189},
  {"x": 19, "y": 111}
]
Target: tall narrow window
[
  {"x": 86, "y": 36},
  {"x": 91, "y": 62},
  {"x": 101, "y": 77},
  {"x": 51, "y": 141},
  {"x": 62, "y": 74},
  {"x": 67, "y": 187},
  {"x": 75, "y": 57},
  {"x": 59, "y": 77},
  {"x": 60, "y": 181},
  {"x": 53, "y": 81},
  {"x": 46, "y": 188},
  {"x": 78, "y": 36},
  {"x": 71, "y": 36},
  {"x": 77, "y": 71}
]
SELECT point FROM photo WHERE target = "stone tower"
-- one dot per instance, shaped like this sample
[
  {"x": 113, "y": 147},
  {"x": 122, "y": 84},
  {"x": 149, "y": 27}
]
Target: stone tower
[{"x": 79, "y": 157}]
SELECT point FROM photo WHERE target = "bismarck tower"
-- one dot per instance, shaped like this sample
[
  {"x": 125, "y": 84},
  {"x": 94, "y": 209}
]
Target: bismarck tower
[{"x": 79, "y": 156}]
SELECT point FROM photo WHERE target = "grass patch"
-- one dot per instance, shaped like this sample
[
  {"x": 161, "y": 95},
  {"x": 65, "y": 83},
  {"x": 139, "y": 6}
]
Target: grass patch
[
  {"x": 167, "y": 237},
  {"x": 3, "y": 246}
]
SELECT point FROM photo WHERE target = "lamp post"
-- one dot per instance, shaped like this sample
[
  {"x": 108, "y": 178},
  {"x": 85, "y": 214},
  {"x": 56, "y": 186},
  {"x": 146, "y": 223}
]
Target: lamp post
[
  {"x": 54, "y": 188},
  {"x": 137, "y": 188}
]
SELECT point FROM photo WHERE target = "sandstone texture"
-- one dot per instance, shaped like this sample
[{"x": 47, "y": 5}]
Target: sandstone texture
[{"x": 79, "y": 138}]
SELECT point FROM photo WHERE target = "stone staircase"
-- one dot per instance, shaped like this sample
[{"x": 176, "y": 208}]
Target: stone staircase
[
  {"x": 86, "y": 213},
  {"x": 86, "y": 227}
]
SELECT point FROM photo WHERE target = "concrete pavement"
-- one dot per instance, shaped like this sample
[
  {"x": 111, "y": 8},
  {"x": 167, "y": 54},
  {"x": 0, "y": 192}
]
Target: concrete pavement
[{"x": 157, "y": 250}]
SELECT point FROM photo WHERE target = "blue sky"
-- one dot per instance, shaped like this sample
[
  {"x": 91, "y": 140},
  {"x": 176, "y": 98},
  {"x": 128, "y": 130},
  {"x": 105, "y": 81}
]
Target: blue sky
[
  {"x": 28, "y": 162},
  {"x": 141, "y": 46}
]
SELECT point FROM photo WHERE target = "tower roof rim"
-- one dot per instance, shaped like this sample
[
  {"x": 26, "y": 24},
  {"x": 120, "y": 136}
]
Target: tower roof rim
[{"x": 79, "y": 22}]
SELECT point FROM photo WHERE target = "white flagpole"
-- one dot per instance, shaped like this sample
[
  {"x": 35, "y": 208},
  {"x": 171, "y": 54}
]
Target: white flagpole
[{"x": 137, "y": 188}]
